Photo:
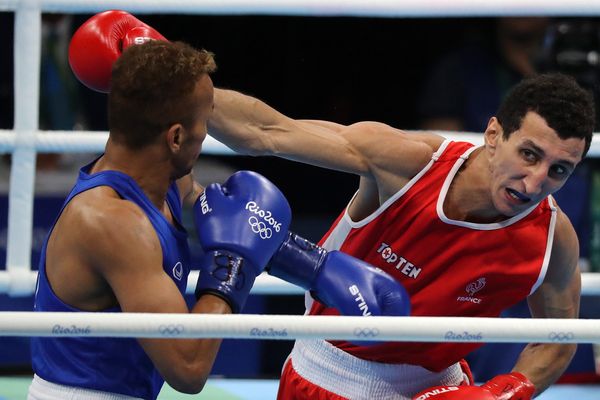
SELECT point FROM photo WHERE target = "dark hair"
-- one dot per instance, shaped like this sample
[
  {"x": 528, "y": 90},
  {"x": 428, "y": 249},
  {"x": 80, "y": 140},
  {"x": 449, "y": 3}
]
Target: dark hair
[
  {"x": 152, "y": 88},
  {"x": 566, "y": 107}
]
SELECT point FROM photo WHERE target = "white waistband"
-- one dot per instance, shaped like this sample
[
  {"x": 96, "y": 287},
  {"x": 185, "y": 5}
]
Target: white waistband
[
  {"x": 41, "y": 389},
  {"x": 341, "y": 373}
]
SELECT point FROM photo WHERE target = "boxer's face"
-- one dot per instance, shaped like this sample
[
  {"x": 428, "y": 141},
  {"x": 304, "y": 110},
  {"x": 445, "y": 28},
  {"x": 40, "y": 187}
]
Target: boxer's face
[{"x": 531, "y": 164}]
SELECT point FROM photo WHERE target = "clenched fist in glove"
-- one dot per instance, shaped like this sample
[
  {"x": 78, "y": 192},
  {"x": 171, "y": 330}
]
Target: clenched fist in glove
[
  {"x": 339, "y": 280},
  {"x": 98, "y": 43}
]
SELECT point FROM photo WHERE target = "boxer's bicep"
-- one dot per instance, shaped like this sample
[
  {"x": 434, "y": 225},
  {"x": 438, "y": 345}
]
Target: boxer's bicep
[{"x": 389, "y": 153}]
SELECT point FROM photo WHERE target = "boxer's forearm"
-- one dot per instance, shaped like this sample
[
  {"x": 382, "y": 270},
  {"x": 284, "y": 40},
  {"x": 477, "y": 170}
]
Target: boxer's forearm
[
  {"x": 543, "y": 363},
  {"x": 250, "y": 126},
  {"x": 244, "y": 123}
]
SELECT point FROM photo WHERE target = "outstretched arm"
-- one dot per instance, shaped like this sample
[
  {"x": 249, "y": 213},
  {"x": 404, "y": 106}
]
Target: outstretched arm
[
  {"x": 369, "y": 149},
  {"x": 250, "y": 126}
]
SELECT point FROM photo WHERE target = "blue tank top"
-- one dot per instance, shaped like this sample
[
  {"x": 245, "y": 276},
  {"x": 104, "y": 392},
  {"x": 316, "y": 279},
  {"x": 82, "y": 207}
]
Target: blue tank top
[{"x": 117, "y": 365}]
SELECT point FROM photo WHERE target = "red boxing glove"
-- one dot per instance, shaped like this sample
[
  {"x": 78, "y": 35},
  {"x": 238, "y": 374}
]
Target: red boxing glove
[
  {"x": 513, "y": 386},
  {"x": 98, "y": 43}
]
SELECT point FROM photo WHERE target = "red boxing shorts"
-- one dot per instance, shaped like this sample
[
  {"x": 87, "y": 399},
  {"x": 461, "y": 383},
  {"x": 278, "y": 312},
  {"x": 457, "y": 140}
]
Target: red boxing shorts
[{"x": 318, "y": 370}]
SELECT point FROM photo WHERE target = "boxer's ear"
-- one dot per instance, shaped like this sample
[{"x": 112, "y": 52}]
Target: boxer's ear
[{"x": 493, "y": 133}]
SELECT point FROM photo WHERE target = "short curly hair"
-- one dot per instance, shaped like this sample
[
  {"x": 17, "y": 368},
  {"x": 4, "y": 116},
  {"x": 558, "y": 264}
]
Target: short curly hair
[
  {"x": 152, "y": 87},
  {"x": 566, "y": 107}
]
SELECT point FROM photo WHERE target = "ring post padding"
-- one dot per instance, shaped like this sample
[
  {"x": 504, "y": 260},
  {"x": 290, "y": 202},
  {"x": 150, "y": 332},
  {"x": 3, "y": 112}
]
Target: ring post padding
[{"x": 28, "y": 22}]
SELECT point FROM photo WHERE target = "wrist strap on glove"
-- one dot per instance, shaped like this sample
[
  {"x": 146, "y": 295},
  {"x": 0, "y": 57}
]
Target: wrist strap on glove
[{"x": 224, "y": 275}]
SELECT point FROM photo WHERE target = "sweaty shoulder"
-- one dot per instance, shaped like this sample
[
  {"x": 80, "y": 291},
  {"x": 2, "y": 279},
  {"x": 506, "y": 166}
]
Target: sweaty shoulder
[
  {"x": 393, "y": 151},
  {"x": 108, "y": 224},
  {"x": 97, "y": 234}
]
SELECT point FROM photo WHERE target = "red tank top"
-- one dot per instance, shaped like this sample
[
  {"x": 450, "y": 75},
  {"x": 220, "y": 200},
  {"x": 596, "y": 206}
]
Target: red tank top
[{"x": 449, "y": 268}]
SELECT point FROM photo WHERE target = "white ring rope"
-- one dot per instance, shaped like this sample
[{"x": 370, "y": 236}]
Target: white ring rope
[
  {"x": 379, "y": 8},
  {"x": 84, "y": 141},
  {"x": 94, "y": 141},
  {"x": 264, "y": 285},
  {"x": 288, "y": 327}
]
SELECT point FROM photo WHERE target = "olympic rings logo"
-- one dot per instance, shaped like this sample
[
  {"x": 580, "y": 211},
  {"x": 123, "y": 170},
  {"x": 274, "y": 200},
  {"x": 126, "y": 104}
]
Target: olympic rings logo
[
  {"x": 260, "y": 227},
  {"x": 171, "y": 330},
  {"x": 366, "y": 332},
  {"x": 561, "y": 336}
]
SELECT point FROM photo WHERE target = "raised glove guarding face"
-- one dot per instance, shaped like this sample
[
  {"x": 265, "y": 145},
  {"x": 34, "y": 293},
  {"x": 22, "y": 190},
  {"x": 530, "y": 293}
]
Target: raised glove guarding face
[{"x": 240, "y": 225}]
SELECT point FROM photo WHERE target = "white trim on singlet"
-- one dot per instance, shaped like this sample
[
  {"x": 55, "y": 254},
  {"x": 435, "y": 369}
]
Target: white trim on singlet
[
  {"x": 397, "y": 195},
  {"x": 41, "y": 389},
  {"x": 337, "y": 237},
  {"x": 336, "y": 371},
  {"x": 549, "y": 244}
]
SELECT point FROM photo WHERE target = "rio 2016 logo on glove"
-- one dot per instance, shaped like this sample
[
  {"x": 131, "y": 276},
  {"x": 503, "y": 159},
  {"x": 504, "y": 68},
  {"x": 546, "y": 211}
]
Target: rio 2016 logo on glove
[{"x": 267, "y": 216}]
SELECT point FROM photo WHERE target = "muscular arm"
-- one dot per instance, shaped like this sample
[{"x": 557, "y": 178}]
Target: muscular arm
[
  {"x": 368, "y": 149},
  {"x": 128, "y": 257},
  {"x": 557, "y": 297}
]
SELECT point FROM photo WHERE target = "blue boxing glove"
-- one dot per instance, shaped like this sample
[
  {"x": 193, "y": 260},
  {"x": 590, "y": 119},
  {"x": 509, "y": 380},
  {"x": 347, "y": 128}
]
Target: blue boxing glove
[
  {"x": 339, "y": 280},
  {"x": 240, "y": 225}
]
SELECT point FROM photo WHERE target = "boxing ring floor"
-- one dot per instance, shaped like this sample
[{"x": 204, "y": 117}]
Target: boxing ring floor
[{"x": 15, "y": 388}]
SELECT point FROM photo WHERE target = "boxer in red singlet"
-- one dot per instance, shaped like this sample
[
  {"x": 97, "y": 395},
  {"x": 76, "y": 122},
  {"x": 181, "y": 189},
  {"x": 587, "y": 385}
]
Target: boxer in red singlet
[{"x": 469, "y": 231}]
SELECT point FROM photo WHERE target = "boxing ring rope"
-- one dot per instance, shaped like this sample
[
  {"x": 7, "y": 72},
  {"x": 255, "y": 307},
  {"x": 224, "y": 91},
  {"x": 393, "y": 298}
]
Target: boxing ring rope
[
  {"x": 90, "y": 142},
  {"x": 289, "y": 327},
  {"x": 26, "y": 140}
]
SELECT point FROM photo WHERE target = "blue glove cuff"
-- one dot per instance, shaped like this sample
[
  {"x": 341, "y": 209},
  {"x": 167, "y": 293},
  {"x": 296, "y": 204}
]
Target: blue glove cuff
[
  {"x": 297, "y": 261},
  {"x": 226, "y": 275}
]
